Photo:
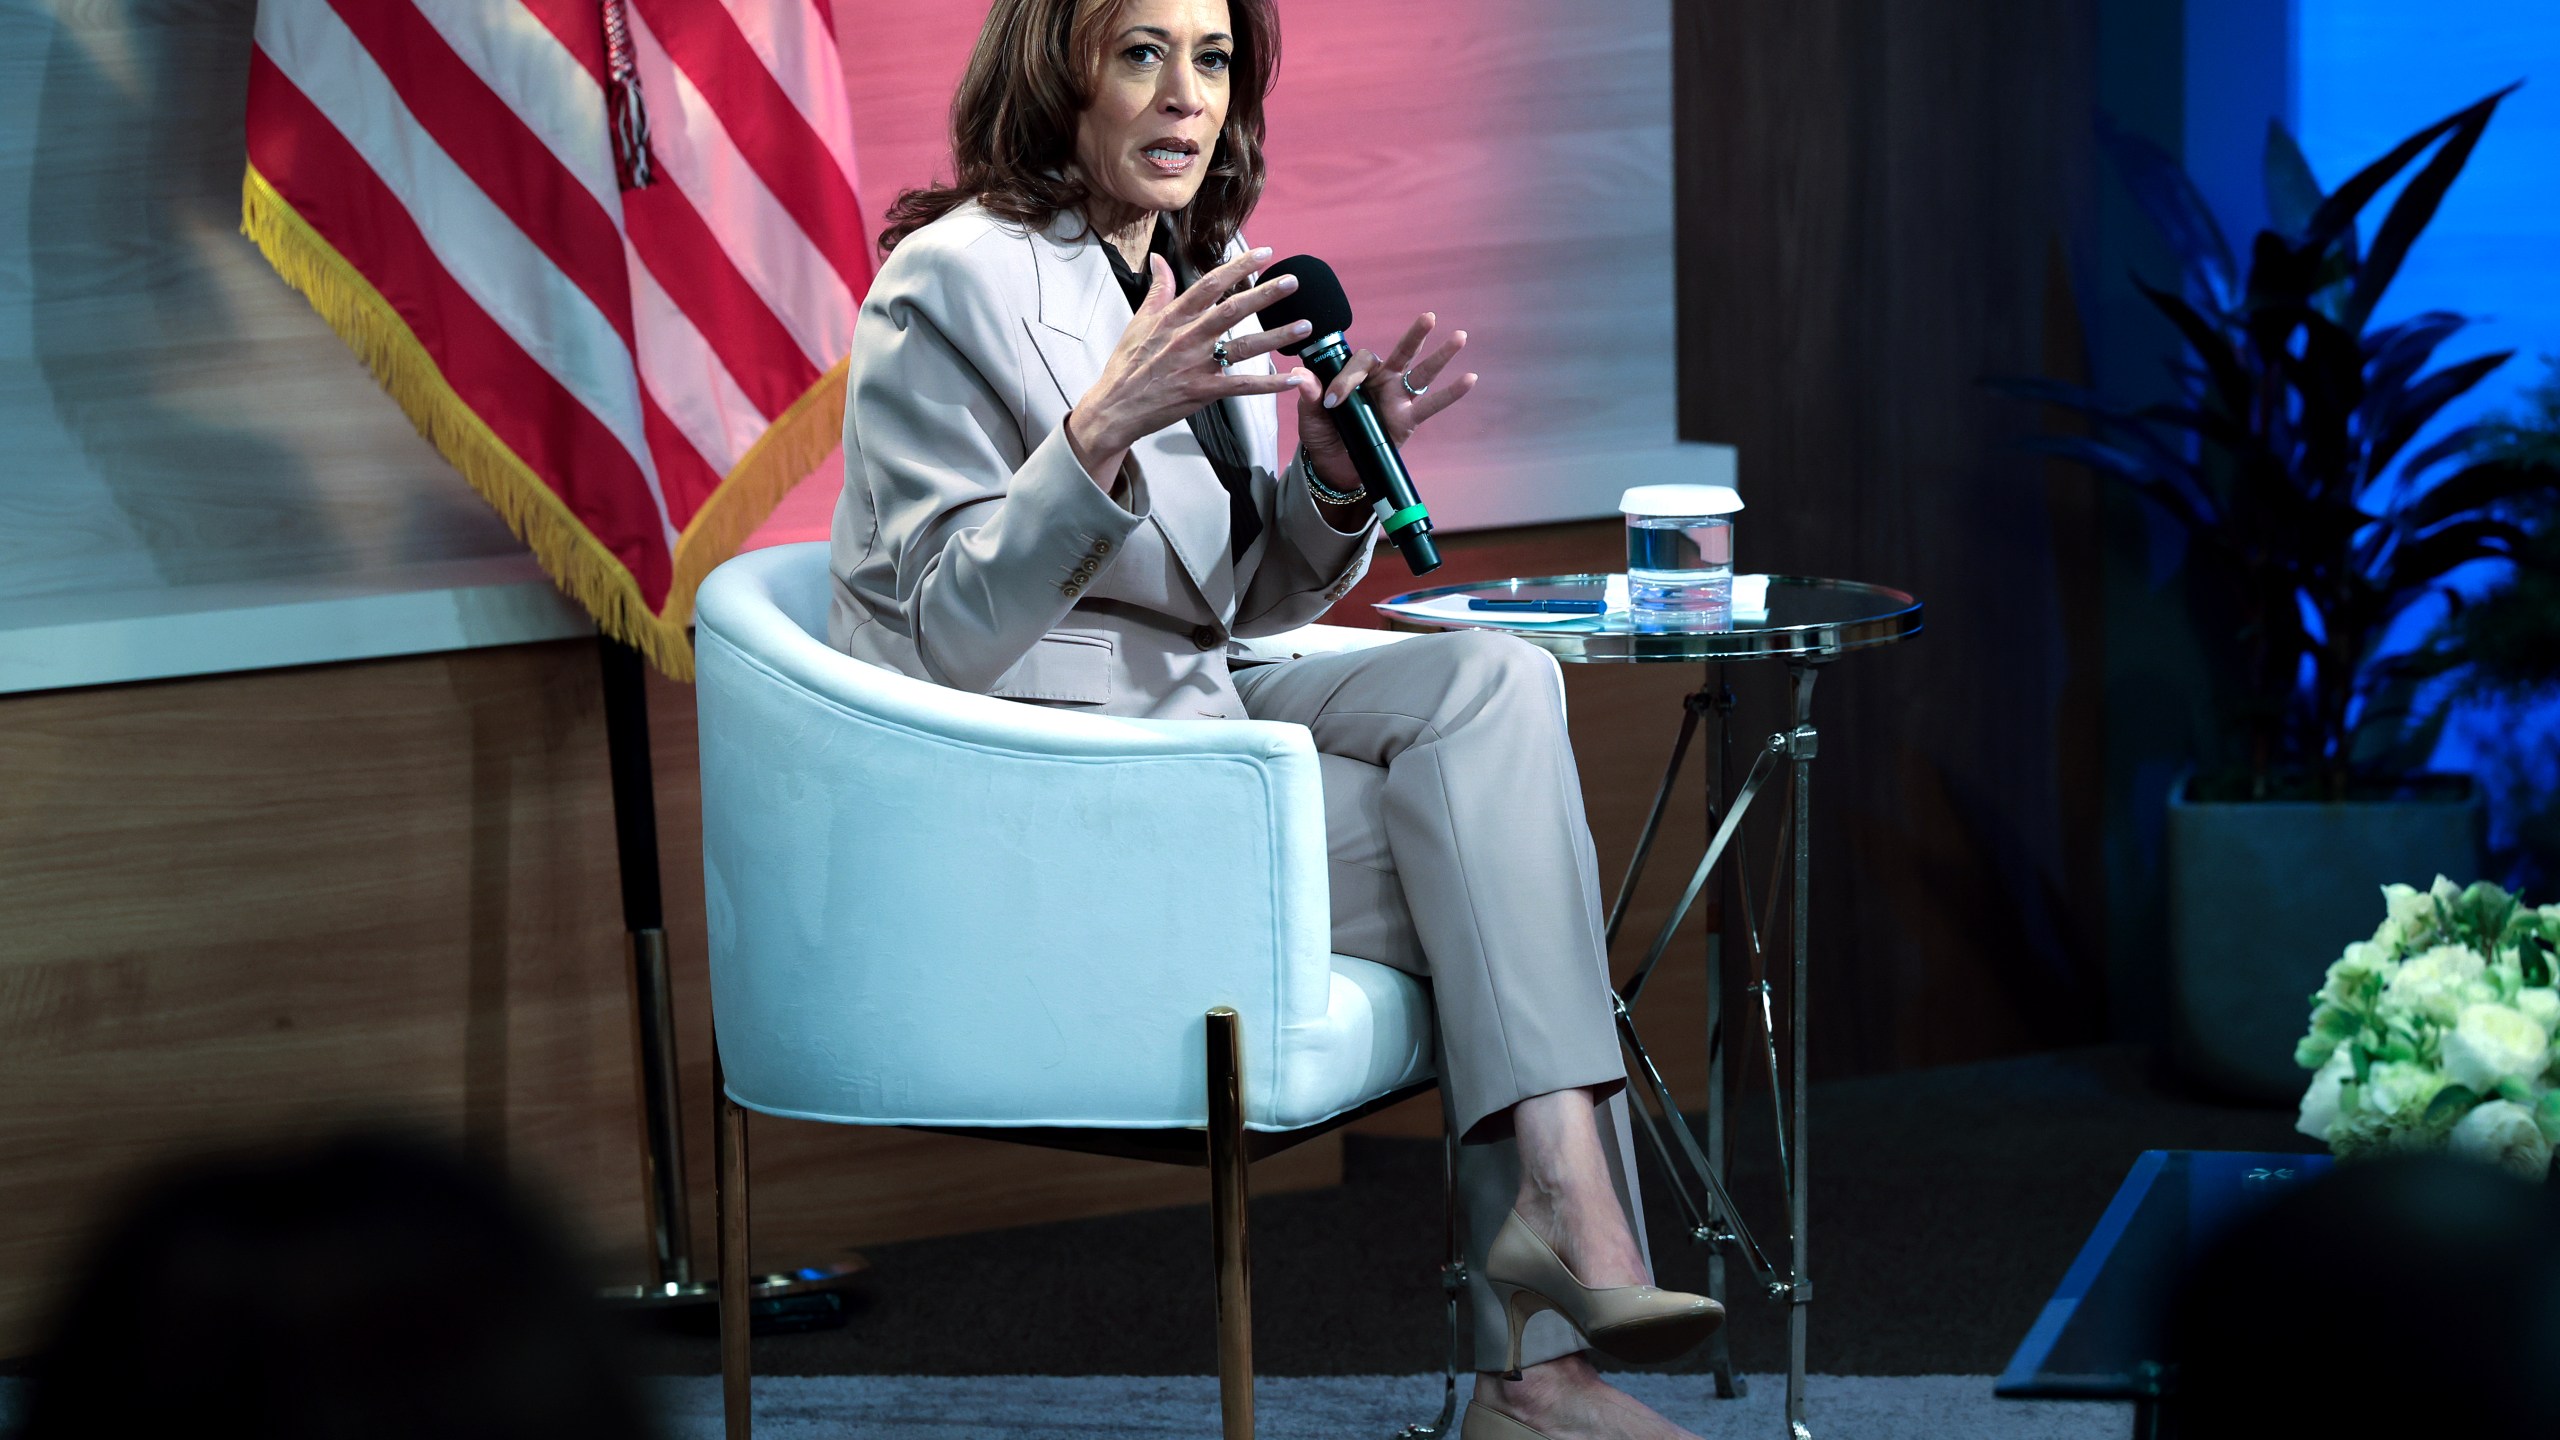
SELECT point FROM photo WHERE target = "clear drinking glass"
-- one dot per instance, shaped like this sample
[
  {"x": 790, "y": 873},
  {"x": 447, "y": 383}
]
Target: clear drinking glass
[{"x": 1680, "y": 555}]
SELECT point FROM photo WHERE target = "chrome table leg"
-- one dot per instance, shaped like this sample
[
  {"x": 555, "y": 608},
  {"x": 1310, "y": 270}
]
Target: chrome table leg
[
  {"x": 1730, "y": 1385},
  {"x": 1709, "y": 1210},
  {"x": 1801, "y": 747}
]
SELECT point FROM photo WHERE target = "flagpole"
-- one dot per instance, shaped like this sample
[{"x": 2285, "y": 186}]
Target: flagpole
[
  {"x": 793, "y": 1300},
  {"x": 635, "y": 837}
]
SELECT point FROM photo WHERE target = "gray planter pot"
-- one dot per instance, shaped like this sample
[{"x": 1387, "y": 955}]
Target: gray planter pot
[{"x": 2263, "y": 895}]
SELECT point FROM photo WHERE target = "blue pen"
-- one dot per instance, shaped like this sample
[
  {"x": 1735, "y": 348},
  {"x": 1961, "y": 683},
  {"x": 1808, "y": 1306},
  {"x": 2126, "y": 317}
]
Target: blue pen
[{"x": 1541, "y": 607}]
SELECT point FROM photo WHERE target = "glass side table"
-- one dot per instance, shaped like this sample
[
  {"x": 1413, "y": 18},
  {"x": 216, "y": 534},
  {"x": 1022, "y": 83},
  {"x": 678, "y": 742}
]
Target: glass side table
[
  {"x": 1808, "y": 624},
  {"x": 2099, "y": 1337}
]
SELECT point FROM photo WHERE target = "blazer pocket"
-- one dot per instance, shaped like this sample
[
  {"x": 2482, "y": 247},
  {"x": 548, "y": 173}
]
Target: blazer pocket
[{"x": 1061, "y": 669}]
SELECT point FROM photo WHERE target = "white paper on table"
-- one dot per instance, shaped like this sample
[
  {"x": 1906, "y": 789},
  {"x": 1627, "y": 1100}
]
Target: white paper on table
[{"x": 1750, "y": 599}]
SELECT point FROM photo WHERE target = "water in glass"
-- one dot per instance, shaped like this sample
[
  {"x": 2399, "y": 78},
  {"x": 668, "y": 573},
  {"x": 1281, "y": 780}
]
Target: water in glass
[{"x": 1680, "y": 570}]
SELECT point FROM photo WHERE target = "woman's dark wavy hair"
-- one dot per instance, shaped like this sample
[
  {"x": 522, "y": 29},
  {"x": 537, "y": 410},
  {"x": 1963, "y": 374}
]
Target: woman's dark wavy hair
[{"x": 1013, "y": 124}]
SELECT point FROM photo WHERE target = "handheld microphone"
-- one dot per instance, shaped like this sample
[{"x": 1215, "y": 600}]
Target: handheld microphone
[{"x": 1320, "y": 302}]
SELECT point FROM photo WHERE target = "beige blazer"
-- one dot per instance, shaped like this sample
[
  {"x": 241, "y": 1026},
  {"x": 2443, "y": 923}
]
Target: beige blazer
[{"x": 970, "y": 547}]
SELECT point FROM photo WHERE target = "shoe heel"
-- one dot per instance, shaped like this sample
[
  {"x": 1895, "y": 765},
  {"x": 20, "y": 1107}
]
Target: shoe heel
[{"x": 1518, "y": 1304}]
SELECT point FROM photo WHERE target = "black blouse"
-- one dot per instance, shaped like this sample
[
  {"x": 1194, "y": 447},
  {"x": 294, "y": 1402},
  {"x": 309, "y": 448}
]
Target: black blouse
[{"x": 1214, "y": 425}]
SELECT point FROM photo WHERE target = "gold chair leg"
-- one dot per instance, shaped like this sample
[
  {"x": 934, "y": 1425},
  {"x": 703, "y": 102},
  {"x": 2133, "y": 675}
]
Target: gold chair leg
[
  {"x": 737, "y": 1326},
  {"x": 1227, "y": 1221}
]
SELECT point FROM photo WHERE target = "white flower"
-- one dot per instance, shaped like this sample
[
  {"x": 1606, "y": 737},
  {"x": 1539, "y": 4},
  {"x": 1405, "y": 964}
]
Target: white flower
[
  {"x": 2491, "y": 1042},
  {"x": 2436, "y": 983},
  {"x": 2502, "y": 1133},
  {"x": 2363, "y": 960},
  {"x": 2320, "y": 1102},
  {"x": 2407, "y": 908},
  {"x": 2540, "y": 1004},
  {"x": 2400, "y": 1089}
]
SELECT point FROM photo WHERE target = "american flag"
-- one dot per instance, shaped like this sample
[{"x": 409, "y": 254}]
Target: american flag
[{"x": 633, "y": 362}]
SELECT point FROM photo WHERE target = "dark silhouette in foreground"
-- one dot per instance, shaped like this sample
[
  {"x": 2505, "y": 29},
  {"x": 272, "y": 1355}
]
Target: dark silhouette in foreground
[
  {"x": 2398, "y": 1297},
  {"x": 368, "y": 1288}
]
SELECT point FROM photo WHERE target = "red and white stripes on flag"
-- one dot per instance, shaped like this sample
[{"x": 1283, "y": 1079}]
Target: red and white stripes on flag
[{"x": 632, "y": 377}]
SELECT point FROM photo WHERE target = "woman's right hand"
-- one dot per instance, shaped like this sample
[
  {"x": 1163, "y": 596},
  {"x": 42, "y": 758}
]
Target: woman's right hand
[{"x": 1165, "y": 368}]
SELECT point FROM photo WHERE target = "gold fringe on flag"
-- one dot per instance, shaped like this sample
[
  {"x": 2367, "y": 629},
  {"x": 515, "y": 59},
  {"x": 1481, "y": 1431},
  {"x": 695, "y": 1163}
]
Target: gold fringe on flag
[
  {"x": 790, "y": 447},
  {"x": 568, "y": 552}
]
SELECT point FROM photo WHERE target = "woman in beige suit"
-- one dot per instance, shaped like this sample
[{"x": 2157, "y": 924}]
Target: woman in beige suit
[{"x": 1062, "y": 487}]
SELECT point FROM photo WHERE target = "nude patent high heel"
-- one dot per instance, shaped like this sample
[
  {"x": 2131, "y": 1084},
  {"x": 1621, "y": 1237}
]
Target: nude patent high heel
[{"x": 1635, "y": 1323}]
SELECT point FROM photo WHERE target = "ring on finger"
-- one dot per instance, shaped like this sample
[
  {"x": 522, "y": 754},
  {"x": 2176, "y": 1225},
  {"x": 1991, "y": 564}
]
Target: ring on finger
[
  {"x": 1218, "y": 352},
  {"x": 1416, "y": 391}
]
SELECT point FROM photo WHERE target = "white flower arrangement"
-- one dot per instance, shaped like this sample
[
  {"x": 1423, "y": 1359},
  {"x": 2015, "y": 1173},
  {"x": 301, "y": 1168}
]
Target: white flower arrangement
[{"x": 2437, "y": 1033}]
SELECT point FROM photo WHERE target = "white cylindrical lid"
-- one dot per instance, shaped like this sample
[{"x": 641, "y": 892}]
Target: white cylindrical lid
[{"x": 1680, "y": 500}]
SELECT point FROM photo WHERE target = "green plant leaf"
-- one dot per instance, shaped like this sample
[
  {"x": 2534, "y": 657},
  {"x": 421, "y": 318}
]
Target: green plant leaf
[
  {"x": 2473, "y": 490},
  {"x": 2394, "y": 358},
  {"x": 2339, "y": 211},
  {"x": 2546, "y": 1116},
  {"x": 2416, "y": 205},
  {"x": 2327, "y": 377},
  {"x": 2451, "y": 1104},
  {"x": 2232, "y": 386},
  {"x": 2171, "y": 492},
  {"x": 2411, "y": 485},
  {"x": 2428, "y": 558},
  {"x": 2293, "y": 193},
  {"x": 2176, "y": 208},
  {"x": 2395, "y": 422}
]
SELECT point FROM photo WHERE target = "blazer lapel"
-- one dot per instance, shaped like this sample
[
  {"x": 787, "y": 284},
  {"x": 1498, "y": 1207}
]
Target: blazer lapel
[
  {"x": 1082, "y": 313},
  {"x": 1072, "y": 276}
]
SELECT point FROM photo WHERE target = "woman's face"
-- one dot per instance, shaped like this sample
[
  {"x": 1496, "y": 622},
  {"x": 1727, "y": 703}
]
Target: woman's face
[{"x": 1159, "y": 103}]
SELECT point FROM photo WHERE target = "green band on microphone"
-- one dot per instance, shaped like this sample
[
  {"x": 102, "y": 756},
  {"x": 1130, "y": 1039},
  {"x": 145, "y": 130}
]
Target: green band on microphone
[{"x": 1406, "y": 516}]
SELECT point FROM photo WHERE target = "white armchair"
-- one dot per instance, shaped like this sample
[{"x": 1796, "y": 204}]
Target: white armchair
[{"x": 931, "y": 908}]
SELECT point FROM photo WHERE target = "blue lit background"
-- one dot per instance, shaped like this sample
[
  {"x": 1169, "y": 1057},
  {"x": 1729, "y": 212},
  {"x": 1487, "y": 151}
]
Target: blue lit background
[
  {"x": 2364, "y": 74},
  {"x": 2367, "y": 73}
]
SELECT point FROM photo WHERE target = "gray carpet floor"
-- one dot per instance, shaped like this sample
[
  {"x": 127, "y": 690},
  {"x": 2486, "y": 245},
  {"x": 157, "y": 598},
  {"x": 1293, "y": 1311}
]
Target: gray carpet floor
[
  {"x": 1362, "y": 1407},
  {"x": 1946, "y": 1204}
]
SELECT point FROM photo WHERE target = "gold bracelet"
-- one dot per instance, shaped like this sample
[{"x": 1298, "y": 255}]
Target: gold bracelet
[{"x": 1326, "y": 493}]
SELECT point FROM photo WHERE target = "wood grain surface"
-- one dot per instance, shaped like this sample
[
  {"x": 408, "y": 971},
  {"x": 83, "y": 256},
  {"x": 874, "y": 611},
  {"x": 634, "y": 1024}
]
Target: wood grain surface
[{"x": 1881, "y": 206}]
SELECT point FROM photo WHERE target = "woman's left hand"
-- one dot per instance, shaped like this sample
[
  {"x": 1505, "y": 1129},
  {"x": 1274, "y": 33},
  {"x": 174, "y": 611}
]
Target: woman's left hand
[{"x": 1404, "y": 391}]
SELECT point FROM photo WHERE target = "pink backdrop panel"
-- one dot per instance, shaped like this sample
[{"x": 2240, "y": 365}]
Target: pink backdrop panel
[{"x": 1503, "y": 163}]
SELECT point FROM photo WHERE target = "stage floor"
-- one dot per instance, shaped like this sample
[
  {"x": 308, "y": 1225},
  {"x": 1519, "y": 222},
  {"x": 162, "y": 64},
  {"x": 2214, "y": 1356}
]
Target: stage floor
[{"x": 1947, "y": 1202}]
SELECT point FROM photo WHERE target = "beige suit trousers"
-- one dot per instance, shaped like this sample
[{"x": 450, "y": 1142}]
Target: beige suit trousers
[{"x": 1459, "y": 850}]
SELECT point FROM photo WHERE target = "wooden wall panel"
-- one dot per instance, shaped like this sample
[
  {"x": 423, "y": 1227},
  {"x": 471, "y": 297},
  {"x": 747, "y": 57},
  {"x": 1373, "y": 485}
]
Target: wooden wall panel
[{"x": 1880, "y": 206}]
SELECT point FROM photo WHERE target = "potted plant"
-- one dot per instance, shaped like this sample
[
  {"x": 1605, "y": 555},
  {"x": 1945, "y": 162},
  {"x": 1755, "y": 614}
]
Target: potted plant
[
  {"x": 2490, "y": 672},
  {"x": 2313, "y": 520}
]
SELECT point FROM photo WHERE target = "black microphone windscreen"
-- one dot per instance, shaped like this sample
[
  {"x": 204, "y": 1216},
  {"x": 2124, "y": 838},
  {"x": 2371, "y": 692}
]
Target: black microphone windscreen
[{"x": 1318, "y": 300}]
